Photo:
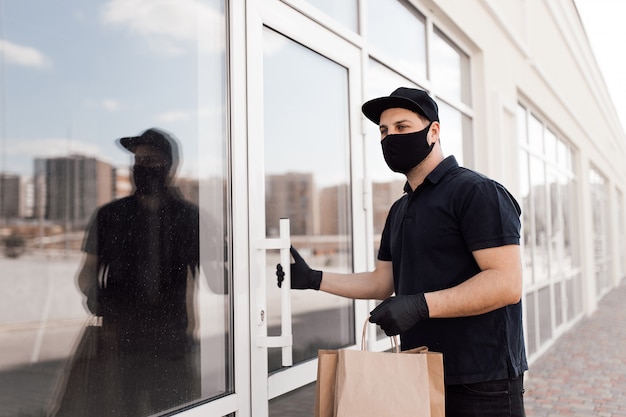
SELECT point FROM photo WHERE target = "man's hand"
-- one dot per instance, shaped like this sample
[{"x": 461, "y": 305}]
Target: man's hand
[
  {"x": 302, "y": 276},
  {"x": 398, "y": 314}
]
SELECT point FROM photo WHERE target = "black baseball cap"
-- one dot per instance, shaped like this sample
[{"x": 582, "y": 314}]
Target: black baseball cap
[
  {"x": 406, "y": 98},
  {"x": 157, "y": 138}
]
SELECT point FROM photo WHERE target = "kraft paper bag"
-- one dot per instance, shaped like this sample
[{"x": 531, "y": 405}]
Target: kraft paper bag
[
  {"x": 367, "y": 384},
  {"x": 325, "y": 386},
  {"x": 377, "y": 384}
]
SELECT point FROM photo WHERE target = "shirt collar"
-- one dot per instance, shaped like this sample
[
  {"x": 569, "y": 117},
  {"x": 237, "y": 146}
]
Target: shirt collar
[
  {"x": 436, "y": 174},
  {"x": 440, "y": 170}
]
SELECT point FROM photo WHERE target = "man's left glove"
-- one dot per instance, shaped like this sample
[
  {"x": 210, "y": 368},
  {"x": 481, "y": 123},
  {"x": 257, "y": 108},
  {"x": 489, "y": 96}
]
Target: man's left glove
[
  {"x": 398, "y": 314},
  {"x": 302, "y": 276}
]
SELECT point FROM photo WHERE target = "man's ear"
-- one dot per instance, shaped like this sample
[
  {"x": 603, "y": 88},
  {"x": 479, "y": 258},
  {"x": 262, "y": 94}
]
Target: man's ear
[{"x": 433, "y": 133}]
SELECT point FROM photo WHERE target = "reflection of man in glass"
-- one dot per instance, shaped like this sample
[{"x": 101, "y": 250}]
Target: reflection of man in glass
[{"x": 141, "y": 258}]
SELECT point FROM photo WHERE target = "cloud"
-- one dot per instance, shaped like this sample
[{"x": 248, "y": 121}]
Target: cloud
[
  {"x": 110, "y": 105},
  {"x": 25, "y": 56},
  {"x": 169, "y": 27},
  {"x": 174, "y": 116}
]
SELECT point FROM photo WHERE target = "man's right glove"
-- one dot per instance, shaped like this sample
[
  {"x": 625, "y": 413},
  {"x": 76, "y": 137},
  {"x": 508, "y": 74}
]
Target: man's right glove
[
  {"x": 398, "y": 314},
  {"x": 302, "y": 276}
]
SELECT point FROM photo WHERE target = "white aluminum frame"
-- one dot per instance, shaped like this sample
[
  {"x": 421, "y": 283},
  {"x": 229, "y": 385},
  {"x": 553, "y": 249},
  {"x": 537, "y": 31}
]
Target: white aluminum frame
[{"x": 289, "y": 22}]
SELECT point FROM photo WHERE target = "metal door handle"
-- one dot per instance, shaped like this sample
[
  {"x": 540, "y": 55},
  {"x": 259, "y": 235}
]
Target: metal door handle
[{"x": 285, "y": 340}]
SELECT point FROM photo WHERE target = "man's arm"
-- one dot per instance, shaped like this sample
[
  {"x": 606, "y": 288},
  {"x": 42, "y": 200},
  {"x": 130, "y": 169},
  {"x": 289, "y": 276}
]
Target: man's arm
[
  {"x": 88, "y": 274},
  {"x": 377, "y": 284},
  {"x": 497, "y": 285}
]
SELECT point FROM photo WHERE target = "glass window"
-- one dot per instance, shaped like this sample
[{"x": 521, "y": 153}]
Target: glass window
[
  {"x": 540, "y": 220},
  {"x": 449, "y": 69},
  {"x": 550, "y": 147},
  {"x": 621, "y": 237},
  {"x": 526, "y": 216},
  {"x": 455, "y": 129},
  {"x": 387, "y": 186},
  {"x": 307, "y": 179},
  {"x": 601, "y": 241},
  {"x": 551, "y": 261},
  {"x": 398, "y": 31},
  {"x": 532, "y": 331},
  {"x": 345, "y": 12},
  {"x": 555, "y": 227},
  {"x": 522, "y": 125},
  {"x": 116, "y": 264},
  {"x": 535, "y": 135}
]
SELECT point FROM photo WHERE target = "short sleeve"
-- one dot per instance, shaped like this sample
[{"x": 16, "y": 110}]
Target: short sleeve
[{"x": 490, "y": 216}]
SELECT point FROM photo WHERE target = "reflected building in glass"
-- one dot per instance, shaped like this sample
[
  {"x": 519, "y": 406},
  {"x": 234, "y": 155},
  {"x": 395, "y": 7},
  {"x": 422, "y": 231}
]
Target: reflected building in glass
[{"x": 73, "y": 187}]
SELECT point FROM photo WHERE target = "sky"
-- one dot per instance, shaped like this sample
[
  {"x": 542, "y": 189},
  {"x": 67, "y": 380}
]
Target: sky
[
  {"x": 606, "y": 30},
  {"x": 79, "y": 76}
]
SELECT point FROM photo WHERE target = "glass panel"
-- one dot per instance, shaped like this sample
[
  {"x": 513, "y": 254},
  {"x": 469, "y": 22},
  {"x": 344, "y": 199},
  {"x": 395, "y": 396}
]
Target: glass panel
[
  {"x": 621, "y": 234},
  {"x": 449, "y": 69},
  {"x": 551, "y": 147},
  {"x": 387, "y": 186},
  {"x": 564, "y": 156},
  {"x": 545, "y": 318},
  {"x": 540, "y": 218},
  {"x": 601, "y": 247},
  {"x": 522, "y": 126},
  {"x": 453, "y": 130},
  {"x": 555, "y": 229},
  {"x": 398, "y": 31},
  {"x": 104, "y": 305},
  {"x": 344, "y": 11},
  {"x": 558, "y": 303},
  {"x": 531, "y": 322},
  {"x": 568, "y": 188},
  {"x": 527, "y": 231},
  {"x": 308, "y": 180},
  {"x": 535, "y": 135}
]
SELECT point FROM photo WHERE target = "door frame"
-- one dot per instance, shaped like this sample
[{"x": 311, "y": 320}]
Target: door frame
[{"x": 281, "y": 18}]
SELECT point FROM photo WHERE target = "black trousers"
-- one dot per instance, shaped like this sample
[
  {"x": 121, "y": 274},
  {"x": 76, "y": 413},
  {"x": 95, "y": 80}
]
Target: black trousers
[{"x": 501, "y": 398}]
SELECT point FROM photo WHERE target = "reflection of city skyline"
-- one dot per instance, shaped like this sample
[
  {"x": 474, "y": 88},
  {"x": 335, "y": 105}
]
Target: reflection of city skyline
[
  {"x": 62, "y": 194},
  {"x": 64, "y": 191},
  {"x": 320, "y": 211}
]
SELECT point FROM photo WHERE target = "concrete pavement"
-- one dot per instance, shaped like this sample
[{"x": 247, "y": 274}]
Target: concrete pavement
[{"x": 584, "y": 373}]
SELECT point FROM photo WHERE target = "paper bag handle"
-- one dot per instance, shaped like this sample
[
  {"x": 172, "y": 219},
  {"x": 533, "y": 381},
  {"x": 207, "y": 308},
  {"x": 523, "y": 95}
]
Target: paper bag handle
[{"x": 395, "y": 346}]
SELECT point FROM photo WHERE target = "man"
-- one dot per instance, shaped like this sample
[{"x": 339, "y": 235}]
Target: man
[
  {"x": 141, "y": 256},
  {"x": 450, "y": 253}
]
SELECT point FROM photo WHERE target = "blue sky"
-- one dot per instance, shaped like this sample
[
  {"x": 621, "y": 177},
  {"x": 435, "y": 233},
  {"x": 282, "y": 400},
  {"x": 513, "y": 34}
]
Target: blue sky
[{"x": 80, "y": 74}]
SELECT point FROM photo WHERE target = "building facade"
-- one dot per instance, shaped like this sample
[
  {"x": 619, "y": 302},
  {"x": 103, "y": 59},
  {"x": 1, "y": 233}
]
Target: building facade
[
  {"x": 73, "y": 187},
  {"x": 264, "y": 97},
  {"x": 10, "y": 198}
]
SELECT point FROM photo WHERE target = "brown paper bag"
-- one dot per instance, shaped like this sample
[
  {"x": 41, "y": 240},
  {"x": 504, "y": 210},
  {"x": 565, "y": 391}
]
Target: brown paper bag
[
  {"x": 325, "y": 385},
  {"x": 361, "y": 383}
]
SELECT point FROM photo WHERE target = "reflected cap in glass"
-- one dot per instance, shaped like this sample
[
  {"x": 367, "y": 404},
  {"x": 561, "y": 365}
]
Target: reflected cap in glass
[
  {"x": 406, "y": 98},
  {"x": 157, "y": 138}
]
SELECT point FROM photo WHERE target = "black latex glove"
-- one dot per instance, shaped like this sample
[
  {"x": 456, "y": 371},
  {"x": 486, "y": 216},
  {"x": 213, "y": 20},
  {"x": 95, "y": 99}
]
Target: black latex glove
[
  {"x": 398, "y": 314},
  {"x": 302, "y": 276}
]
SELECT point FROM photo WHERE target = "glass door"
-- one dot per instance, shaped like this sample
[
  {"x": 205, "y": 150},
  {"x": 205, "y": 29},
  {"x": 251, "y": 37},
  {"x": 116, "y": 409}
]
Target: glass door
[{"x": 300, "y": 168}]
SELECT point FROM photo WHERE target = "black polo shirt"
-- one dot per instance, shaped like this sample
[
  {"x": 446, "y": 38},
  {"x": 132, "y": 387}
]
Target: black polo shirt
[{"x": 429, "y": 237}]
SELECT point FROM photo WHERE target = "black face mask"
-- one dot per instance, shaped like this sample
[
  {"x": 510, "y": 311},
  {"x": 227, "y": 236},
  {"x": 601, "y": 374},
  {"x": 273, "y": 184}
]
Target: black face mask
[
  {"x": 150, "y": 180},
  {"x": 404, "y": 152}
]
